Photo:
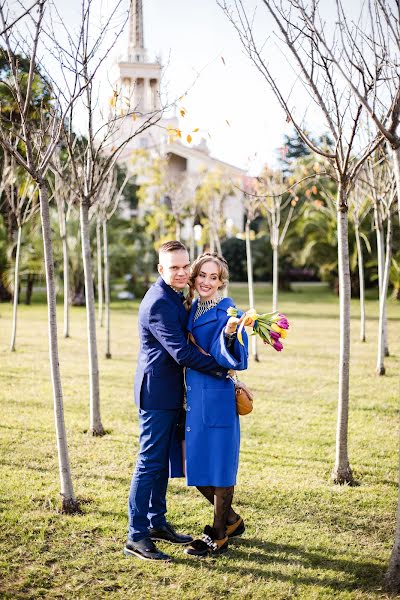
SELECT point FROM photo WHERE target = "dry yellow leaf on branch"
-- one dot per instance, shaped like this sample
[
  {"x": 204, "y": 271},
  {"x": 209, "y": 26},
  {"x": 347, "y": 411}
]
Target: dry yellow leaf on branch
[
  {"x": 195, "y": 130},
  {"x": 182, "y": 112},
  {"x": 134, "y": 116},
  {"x": 188, "y": 138}
]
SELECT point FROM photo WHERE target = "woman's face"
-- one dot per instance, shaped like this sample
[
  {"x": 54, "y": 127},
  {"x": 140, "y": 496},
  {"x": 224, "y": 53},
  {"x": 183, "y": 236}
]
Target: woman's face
[{"x": 207, "y": 281}]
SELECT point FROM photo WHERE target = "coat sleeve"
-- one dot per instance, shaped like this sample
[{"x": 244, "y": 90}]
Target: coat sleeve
[
  {"x": 236, "y": 356},
  {"x": 165, "y": 326}
]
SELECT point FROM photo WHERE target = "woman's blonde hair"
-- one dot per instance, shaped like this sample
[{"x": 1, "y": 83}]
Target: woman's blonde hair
[{"x": 223, "y": 273}]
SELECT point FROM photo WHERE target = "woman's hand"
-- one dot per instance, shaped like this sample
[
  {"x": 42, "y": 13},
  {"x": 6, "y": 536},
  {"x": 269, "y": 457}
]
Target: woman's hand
[{"x": 232, "y": 325}]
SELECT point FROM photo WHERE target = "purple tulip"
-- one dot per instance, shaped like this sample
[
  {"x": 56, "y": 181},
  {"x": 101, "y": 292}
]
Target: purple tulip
[
  {"x": 277, "y": 345},
  {"x": 283, "y": 323},
  {"x": 275, "y": 335}
]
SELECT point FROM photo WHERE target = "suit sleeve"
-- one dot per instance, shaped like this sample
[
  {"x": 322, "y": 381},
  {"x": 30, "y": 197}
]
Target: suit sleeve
[{"x": 166, "y": 328}]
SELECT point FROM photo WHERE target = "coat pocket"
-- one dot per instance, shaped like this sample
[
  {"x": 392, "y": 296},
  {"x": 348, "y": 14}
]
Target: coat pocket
[{"x": 219, "y": 408}]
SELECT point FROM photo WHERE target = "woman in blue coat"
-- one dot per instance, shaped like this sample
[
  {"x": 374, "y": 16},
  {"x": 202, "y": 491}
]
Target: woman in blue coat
[{"x": 212, "y": 424}]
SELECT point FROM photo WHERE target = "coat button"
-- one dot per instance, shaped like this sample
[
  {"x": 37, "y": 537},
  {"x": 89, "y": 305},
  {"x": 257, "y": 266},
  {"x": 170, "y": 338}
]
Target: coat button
[
  {"x": 188, "y": 408},
  {"x": 187, "y": 428},
  {"x": 189, "y": 388}
]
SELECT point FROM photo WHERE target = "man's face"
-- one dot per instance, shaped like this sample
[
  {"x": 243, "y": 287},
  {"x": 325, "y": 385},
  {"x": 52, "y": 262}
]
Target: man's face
[{"x": 174, "y": 268}]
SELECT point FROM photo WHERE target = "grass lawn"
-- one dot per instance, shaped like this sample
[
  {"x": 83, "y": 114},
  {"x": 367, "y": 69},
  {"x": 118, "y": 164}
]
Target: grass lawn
[{"x": 305, "y": 537}]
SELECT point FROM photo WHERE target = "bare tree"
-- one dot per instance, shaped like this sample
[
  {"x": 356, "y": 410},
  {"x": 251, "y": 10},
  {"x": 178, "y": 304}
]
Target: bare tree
[
  {"x": 276, "y": 200},
  {"x": 21, "y": 198},
  {"x": 64, "y": 200},
  {"x": 301, "y": 30},
  {"x": 211, "y": 193},
  {"x": 10, "y": 24},
  {"x": 386, "y": 257},
  {"x": 372, "y": 47},
  {"x": 108, "y": 201},
  {"x": 361, "y": 208},
  {"x": 92, "y": 160},
  {"x": 251, "y": 204},
  {"x": 175, "y": 186},
  {"x": 100, "y": 283},
  {"x": 32, "y": 146},
  {"x": 378, "y": 181}
]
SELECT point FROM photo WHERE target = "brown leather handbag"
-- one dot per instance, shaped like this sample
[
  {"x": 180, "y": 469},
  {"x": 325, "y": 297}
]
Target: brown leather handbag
[{"x": 244, "y": 397}]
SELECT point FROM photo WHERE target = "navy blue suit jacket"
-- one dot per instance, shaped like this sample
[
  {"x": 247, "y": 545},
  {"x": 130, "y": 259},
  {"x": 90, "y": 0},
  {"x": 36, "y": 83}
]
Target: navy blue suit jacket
[{"x": 164, "y": 350}]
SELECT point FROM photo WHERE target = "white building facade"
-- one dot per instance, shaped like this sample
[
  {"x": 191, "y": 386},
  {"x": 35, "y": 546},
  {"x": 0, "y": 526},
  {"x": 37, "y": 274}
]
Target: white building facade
[{"x": 138, "y": 81}]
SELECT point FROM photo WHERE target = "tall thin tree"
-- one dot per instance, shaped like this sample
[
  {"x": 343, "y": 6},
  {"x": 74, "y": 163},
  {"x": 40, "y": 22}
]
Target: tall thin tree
[
  {"x": 32, "y": 146},
  {"x": 301, "y": 28}
]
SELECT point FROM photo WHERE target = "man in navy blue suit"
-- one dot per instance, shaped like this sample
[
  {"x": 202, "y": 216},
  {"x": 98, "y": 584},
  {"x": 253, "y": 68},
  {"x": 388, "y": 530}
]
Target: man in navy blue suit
[{"x": 164, "y": 352}]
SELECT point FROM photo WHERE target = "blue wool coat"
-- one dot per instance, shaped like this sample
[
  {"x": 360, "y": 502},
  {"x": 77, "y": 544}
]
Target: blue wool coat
[
  {"x": 212, "y": 424},
  {"x": 164, "y": 350}
]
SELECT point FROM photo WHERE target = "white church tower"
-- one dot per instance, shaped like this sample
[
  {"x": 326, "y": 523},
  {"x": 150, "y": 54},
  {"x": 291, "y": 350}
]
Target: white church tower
[{"x": 138, "y": 84}]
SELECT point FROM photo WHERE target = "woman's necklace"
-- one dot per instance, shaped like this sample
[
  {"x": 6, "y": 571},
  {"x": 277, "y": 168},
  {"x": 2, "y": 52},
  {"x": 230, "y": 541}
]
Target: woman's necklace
[{"x": 204, "y": 305}]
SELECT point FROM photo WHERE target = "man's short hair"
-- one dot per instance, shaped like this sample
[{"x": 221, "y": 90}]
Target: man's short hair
[{"x": 171, "y": 246}]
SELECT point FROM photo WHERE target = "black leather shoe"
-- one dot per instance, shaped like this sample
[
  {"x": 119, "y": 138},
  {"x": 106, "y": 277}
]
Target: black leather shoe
[
  {"x": 168, "y": 534},
  {"x": 146, "y": 550},
  {"x": 208, "y": 545}
]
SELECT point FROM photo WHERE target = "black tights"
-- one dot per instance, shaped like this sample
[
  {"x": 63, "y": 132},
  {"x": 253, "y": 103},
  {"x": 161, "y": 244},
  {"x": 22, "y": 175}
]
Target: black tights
[{"x": 221, "y": 499}]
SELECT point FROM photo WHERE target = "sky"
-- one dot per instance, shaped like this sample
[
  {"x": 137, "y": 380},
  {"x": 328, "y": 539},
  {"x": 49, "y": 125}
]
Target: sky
[{"x": 228, "y": 99}]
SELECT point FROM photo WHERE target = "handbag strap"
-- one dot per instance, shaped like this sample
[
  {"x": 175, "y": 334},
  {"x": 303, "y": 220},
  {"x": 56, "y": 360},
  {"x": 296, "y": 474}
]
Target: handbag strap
[{"x": 193, "y": 341}]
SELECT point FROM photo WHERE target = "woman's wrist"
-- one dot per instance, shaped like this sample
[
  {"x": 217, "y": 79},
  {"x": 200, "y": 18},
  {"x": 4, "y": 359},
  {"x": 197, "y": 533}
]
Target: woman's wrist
[{"x": 230, "y": 334}]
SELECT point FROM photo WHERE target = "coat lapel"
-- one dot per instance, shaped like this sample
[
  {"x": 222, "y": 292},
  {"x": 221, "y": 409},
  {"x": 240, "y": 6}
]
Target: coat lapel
[
  {"x": 207, "y": 317},
  {"x": 171, "y": 293}
]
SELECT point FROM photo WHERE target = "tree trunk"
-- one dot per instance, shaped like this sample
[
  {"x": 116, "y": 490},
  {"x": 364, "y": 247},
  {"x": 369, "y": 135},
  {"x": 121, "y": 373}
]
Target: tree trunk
[
  {"x": 16, "y": 291},
  {"x": 360, "y": 260},
  {"x": 380, "y": 367},
  {"x": 218, "y": 242},
  {"x": 106, "y": 289},
  {"x": 389, "y": 233},
  {"x": 69, "y": 502},
  {"x": 392, "y": 577},
  {"x": 177, "y": 229},
  {"x": 99, "y": 273},
  {"x": 212, "y": 239},
  {"x": 251, "y": 286},
  {"x": 275, "y": 276},
  {"x": 396, "y": 169},
  {"x": 66, "y": 286},
  {"x": 29, "y": 288},
  {"x": 342, "y": 471},
  {"x": 62, "y": 222},
  {"x": 192, "y": 249},
  {"x": 380, "y": 357},
  {"x": 96, "y": 427}
]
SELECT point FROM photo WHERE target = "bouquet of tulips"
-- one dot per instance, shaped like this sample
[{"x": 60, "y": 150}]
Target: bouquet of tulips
[{"x": 271, "y": 327}]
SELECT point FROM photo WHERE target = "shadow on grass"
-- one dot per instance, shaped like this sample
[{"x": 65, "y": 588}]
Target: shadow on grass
[{"x": 260, "y": 556}]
